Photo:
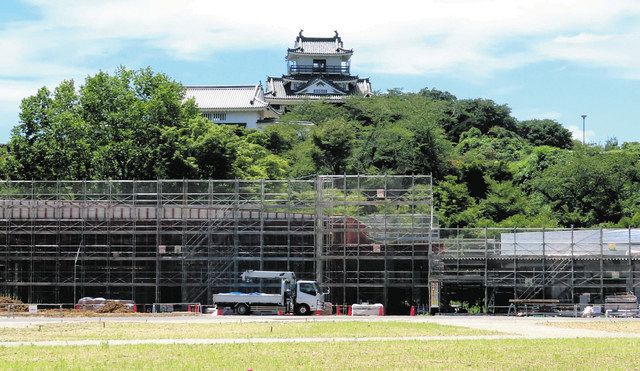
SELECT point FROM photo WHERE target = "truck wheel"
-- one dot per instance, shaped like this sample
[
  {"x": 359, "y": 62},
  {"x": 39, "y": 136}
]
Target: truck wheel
[
  {"x": 303, "y": 310},
  {"x": 242, "y": 309}
]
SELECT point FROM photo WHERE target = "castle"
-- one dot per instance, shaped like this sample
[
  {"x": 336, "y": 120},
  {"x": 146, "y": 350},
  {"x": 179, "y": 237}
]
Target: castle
[{"x": 318, "y": 69}]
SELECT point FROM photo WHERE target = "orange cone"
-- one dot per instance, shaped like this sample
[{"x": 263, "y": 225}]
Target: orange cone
[
  {"x": 349, "y": 311},
  {"x": 337, "y": 310},
  {"x": 412, "y": 312}
]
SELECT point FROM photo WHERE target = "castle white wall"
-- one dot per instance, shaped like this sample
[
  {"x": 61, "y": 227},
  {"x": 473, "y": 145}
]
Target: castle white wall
[
  {"x": 248, "y": 118},
  {"x": 308, "y": 61}
]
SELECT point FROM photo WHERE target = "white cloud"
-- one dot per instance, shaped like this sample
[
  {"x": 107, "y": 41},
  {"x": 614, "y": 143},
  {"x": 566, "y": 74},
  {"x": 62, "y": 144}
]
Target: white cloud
[
  {"x": 467, "y": 38},
  {"x": 536, "y": 113},
  {"x": 576, "y": 133},
  {"x": 619, "y": 52},
  {"x": 14, "y": 90},
  {"x": 474, "y": 37}
]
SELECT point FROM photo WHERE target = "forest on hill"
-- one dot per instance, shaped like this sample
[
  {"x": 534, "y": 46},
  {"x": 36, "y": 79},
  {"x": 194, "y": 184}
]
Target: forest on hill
[{"x": 489, "y": 168}]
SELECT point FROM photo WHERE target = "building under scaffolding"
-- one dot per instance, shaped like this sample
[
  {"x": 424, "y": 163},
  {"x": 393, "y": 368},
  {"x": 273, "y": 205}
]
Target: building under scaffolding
[
  {"x": 491, "y": 266},
  {"x": 367, "y": 238}
]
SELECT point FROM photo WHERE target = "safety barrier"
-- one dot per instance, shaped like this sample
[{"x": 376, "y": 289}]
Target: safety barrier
[
  {"x": 189, "y": 308},
  {"x": 361, "y": 310}
]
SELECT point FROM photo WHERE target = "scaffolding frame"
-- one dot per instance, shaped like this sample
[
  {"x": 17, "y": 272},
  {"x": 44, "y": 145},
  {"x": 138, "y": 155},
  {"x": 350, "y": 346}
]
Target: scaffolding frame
[
  {"x": 502, "y": 264},
  {"x": 367, "y": 238},
  {"x": 182, "y": 240}
]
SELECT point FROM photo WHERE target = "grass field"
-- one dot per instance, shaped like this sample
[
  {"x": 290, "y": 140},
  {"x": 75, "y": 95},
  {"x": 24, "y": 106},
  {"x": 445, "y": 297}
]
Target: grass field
[
  {"x": 469, "y": 354},
  {"x": 619, "y": 326},
  {"x": 124, "y": 331}
]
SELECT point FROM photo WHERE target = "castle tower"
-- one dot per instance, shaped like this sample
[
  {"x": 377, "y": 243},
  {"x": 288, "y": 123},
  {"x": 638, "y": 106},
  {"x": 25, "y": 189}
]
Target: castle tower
[{"x": 318, "y": 68}]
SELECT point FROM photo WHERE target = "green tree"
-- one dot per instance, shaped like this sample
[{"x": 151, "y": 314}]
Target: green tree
[
  {"x": 589, "y": 188},
  {"x": 314, "y": 112},
  {"x": 454, "y": 205},
  {"x": 280, "y": 138},
  {"x": 503, "y": 200},
  {"x": 487, "y": 157},
  {"x": 611, "y": 144},
  {"x": 482, "y": 114},
  {"x": 545, "y": 133},
  {"x": 51, "y": 141},
  {"x": 334, "y": 141},
  {"x": 112, "y": 127},
  {"x": 436, "y": 94},
  {"x": 532, "y": 165}
]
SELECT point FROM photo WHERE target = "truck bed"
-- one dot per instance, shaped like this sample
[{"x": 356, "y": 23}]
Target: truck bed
[{"x": 253, "y": 298}]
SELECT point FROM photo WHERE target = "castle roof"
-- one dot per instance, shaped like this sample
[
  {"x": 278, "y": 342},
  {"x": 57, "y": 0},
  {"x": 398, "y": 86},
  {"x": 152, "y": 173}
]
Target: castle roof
[
  {"x": 319, "y": 45},
  {"x": 279, "y": 89},
  {"x": 227, "y": 97}
]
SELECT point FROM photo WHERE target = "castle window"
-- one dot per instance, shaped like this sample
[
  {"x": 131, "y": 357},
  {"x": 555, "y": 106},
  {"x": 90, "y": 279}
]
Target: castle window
[
  {"x": 319, "y": 65},
  {"x": 215, "y": 116}
]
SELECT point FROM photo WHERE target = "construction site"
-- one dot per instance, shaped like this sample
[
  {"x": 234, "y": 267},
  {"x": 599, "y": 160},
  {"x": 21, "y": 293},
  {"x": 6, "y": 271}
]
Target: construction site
[{"x": 366, "y": 238}]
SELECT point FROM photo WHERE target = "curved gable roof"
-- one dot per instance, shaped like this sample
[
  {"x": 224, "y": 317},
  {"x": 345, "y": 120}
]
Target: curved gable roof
[{"x": 319, "y": 45}]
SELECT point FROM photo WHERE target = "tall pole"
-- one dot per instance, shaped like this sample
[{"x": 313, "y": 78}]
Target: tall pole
[
  {"x": 584, "y": 117},
  {"x": 75, "y": 265}
]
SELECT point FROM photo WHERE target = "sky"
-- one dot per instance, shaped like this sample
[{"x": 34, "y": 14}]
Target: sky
[{"x": 544, "y": 58}]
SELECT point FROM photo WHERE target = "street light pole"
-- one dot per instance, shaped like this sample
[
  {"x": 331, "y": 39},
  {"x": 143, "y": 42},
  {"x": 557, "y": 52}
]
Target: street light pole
[{"x": 584, "y": 117}]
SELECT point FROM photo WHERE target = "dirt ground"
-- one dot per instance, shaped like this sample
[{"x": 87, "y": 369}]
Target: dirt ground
[{"x": 521, "y": 327}]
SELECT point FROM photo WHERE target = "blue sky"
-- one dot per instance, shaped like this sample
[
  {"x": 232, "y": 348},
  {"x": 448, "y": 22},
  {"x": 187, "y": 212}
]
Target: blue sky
[{"x": 545, "y": 59}]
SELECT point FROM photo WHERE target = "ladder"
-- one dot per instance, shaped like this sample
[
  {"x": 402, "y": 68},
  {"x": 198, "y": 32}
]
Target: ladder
[{"x": 551, "y": 273}]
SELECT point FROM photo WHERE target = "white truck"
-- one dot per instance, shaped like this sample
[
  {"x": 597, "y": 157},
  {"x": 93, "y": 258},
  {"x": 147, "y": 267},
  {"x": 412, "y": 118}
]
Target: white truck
[{"x": 299, "y": 297}]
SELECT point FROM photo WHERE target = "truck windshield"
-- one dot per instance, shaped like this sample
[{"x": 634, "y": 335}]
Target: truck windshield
[
  {"x": 308, "y": 288},
  {"x": 317, "y": 288}
]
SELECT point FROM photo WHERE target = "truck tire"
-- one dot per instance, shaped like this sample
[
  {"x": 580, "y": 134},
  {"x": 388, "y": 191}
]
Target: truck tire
[
  {"x": 242, "y": 309},
  {"x": 303, "y": 310}
]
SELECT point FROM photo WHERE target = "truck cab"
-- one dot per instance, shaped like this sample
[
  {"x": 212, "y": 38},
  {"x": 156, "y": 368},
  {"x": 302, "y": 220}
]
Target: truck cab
[{"x": 309, "y": 297}]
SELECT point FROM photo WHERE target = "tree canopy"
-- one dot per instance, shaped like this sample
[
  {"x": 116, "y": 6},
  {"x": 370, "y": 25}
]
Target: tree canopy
[
  {"x": 489, "y": 168},
  {"x": 129, "y": 125}
]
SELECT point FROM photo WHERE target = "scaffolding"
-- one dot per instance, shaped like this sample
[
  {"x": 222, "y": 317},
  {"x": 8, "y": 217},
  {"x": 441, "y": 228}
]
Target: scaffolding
[
  {"x": 365, "y": 237},
  {"x": 377, "y": 237},
  {"x": 490, "y": 266}
]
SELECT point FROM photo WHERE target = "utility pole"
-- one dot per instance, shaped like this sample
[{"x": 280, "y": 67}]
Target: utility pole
[{"x": 584, "y": 117}]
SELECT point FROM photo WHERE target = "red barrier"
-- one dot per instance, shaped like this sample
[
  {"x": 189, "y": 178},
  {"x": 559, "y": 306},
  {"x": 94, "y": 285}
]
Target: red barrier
[
  {"x": 349, "y": 311},
  {"x": 220, "y": 312},
  {"x": 412, "y": 312},
  {"x": 381, "y": 311},
  {"x": 338, "y": 310},
  {"x": 135, "y": 308}
]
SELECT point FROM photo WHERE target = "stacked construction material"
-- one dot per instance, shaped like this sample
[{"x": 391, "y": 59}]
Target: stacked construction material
[{"x": 622, "y": 304}]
